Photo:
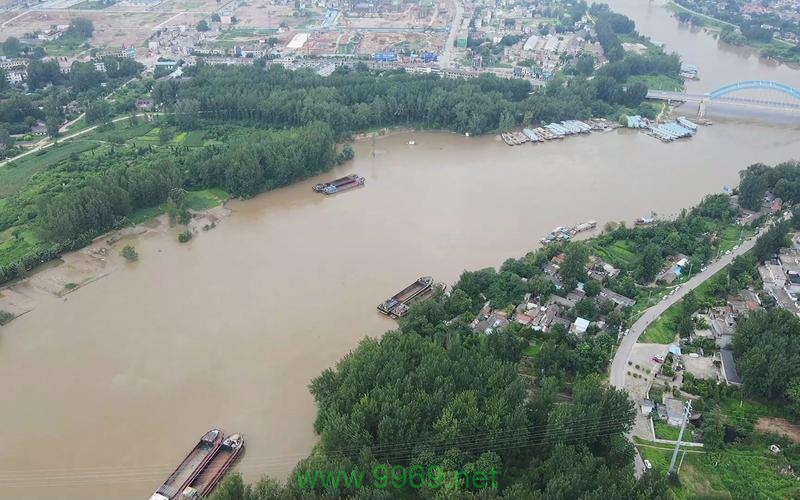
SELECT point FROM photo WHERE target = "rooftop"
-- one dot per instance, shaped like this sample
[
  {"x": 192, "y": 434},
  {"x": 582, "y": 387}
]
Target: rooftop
[{"x": 729, "y": 367}]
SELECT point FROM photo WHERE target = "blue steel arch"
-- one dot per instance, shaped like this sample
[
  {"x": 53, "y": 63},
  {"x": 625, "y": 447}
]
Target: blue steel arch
[{"x": 754, "y": 84}]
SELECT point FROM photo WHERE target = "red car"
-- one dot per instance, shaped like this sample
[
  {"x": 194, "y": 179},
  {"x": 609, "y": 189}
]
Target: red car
[{"x": 658, "y": 358}]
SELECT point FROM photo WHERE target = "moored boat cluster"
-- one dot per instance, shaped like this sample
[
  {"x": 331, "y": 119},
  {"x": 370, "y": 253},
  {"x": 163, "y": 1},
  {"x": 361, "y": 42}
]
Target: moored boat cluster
[
  {"x": 556, "y": 131},
  {"x": 563, "y": 233}
]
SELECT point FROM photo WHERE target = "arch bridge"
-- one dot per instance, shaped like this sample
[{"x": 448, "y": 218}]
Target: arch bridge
[{"x": 723, "y": 95}]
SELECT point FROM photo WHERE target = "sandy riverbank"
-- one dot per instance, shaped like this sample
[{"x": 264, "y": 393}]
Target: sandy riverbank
[{"x": 102, "y": 257}]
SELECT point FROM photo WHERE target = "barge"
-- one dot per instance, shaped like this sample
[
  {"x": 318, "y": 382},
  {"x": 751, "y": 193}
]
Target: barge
[
  {"x": 190, "y": 467},
  {"x": 215, "y": 469},
  {"x": 397, "y": 305},
  {"x": 340, "y": 184}
]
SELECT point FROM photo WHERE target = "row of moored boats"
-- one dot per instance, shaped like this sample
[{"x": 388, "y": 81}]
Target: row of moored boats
[{"x": 556, "y": 131}]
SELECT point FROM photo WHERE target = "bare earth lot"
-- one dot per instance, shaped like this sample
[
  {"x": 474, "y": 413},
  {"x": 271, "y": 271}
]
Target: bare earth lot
[
  {"x": 111, "y": 28},
  {"x": 779, "y": 426}
]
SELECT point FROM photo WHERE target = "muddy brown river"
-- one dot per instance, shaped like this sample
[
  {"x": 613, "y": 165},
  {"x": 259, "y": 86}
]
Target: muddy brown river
[{"x": 104, "y": 391}]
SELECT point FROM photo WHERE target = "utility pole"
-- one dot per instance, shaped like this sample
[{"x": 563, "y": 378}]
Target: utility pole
[{"x": 687, "y": 410}]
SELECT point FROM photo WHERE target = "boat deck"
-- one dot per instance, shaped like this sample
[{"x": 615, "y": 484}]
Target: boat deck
[
  {"x": 171, "y": 489},
  {"x": 213, "y": 468}
]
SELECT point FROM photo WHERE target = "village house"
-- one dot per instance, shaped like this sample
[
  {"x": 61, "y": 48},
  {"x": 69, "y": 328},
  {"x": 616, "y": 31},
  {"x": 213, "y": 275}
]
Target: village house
[
  {"x": 144, "y": 104},
  {"x": 723, "y": 325},
  {"x": 647, "y": 406},
  {"x": 580, "y": 326},
  {"x": 729, "y": 367},
  {"x": 489, "y": 321},
  {"x": 616, "y": 298},
  {"x": 674, "y": 411}
]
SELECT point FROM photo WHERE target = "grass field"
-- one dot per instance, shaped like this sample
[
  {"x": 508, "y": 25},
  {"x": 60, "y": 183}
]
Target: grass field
[
  {"x": 661, "y": 330},
  {"x": 732, "y": 236},
  {"x": 658, "y": 82},
  {"x": 205, "y": 199},
  {"x": 13, "y": 248},
  {"x": 740, "y": 471},
  {"x": 619, "y": 253},
  {"x": 666, "y": 431},
  {"x": 15, "y": 174},
  {"x": 532, "y": 350}
]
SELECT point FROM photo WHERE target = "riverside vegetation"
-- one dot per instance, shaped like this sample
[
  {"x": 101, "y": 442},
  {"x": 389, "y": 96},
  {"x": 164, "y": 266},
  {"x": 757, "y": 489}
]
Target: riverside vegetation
[
  {"x": 435, "y": 392},
  {"x": 267, "y": 129}
]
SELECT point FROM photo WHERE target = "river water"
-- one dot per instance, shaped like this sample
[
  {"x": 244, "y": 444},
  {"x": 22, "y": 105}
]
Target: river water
[{"x": 102, "y": 394}]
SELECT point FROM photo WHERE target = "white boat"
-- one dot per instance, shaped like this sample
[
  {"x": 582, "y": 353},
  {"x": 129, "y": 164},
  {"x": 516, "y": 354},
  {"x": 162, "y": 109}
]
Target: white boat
[{"x": 412, "y": 142}]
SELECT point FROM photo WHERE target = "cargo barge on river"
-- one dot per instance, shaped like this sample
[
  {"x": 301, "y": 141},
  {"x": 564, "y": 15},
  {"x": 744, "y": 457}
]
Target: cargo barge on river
[
  {"x": 340, "y": 184},
  {"x": 397, "y": 305},
  {"x": 215, "y": 469},
  {"x": 190, "y": 467}
]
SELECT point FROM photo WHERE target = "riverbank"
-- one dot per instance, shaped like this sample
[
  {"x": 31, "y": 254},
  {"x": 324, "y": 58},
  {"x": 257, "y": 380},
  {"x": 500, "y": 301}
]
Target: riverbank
[
  {"x": 149, "y": 334},
  {"x": 773, "y": 50},
  {"x": 74, "y": 270}
]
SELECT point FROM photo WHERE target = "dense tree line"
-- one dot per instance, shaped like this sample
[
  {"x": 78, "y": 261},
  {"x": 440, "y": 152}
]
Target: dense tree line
[
  {"x": 411, "y": 400},
  {"x": 783, "y": 181},
  {"x": 356, "y": 99},
  {"x": 767, "y": 345},
  {"x": 86, "y": 196}
]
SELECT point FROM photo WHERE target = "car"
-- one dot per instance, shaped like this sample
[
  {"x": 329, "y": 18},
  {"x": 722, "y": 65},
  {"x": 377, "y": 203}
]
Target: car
[
  {"x": 702, "y": 268},
  {"x": 647, "y": 465},
  {"x": 736, "y": 247},
  {"x": 727, "y": 252},
  {"x": 627, "y": 332},
  {"x": 658, "y": 358},
  {"x": 664, "y": 297}
]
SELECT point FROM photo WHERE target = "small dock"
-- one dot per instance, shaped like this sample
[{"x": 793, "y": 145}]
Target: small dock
[{"x": 564, "y": 233}]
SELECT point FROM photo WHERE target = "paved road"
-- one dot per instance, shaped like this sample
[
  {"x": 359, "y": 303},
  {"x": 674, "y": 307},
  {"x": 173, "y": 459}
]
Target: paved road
[
  {"x": 620, "y": 362},
  {"x": 444, "y": 61}
]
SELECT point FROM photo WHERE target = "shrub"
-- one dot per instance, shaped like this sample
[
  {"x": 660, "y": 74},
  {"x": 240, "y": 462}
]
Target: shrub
[
  {"x": 185, "y": 236},
  {"x": 130, "y": 253},
  {"x": 637, "y": 366},
  {"x": 5, "y": 317}
]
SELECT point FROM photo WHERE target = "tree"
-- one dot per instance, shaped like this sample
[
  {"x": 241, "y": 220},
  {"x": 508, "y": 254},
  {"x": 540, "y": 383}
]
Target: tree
[
  {"x": 203, "y": 26},
  {"x": 793, "y": 395},
  {"x": 584, "y": 65},
  {"x": 771, "y": 241},
  {"x": 41, "y": 73},
  {"x": 592, "y": 288},
  {"x": 98, "y": 111},
  {"x": 81, "y": 27},
  {"x": 573, "y": 268},
  {"x": 129, "y": 253},
  {"x": 767, "y": 345},
  {"x": 12, "y": 47},
  {"x": 650, "y": 263},
  {"x": 215, "y": 18}
]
